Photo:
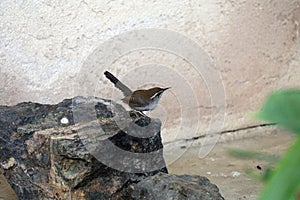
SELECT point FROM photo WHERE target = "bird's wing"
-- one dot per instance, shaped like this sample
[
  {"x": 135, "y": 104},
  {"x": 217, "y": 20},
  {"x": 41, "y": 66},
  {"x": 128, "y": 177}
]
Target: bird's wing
[{"x": 136, "y": 100}]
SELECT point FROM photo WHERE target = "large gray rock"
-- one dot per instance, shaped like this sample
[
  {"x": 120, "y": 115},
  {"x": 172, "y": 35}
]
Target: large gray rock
[
  {"x": 45, "y": 154},
  {"x": 86, "y": 148},
  {"x": 166, "y": 186}
]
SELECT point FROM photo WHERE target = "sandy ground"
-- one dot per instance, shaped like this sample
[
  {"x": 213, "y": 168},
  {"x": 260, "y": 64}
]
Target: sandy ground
[
  {"x": 6, "y": 192},
  {"x": 227, "y": 172}
]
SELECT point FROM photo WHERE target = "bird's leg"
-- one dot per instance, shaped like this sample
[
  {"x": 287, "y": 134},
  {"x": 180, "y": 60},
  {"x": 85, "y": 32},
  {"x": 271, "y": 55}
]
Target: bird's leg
[
  {"x": 136, "y": 113},
  {"x": 143, "y": 114}
]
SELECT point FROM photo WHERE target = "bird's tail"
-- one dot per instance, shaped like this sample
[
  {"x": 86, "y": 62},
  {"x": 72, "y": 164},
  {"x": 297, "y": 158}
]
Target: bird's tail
[{"x": 118, "y": 84}]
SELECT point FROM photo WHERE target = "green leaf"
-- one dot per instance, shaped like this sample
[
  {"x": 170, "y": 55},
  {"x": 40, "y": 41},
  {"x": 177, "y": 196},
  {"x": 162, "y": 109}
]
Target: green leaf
[
  {"x": 283, "y": 108},
  {"x": 285, "y": 180}
]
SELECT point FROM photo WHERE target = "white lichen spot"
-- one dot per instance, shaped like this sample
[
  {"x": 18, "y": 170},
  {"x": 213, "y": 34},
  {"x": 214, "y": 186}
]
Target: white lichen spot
[
  {"x": 64, "y": 121},
  {"x": 8, "y": 164}
]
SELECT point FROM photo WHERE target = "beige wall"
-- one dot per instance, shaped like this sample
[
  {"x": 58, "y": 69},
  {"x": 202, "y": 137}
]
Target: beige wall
[{"x": 254, "y": 45}]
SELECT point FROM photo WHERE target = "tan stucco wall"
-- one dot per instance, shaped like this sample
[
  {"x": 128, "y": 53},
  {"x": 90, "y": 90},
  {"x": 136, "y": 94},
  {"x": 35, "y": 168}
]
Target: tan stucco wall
[{"x": 254, "y": 44}]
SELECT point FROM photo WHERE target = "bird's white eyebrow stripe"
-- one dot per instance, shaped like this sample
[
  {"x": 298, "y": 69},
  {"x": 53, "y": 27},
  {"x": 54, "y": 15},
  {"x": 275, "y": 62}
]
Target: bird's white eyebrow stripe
[{"x": 155, "y": 94}]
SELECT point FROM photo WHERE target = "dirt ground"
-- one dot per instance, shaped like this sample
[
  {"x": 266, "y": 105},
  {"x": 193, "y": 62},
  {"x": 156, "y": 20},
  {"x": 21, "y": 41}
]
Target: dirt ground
[
  {"x": 6, "y": 192},
  {"x": 227, "y": 172}
]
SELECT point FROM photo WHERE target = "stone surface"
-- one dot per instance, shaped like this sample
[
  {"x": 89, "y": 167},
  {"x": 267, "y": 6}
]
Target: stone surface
[
  {"x": 103, "y": 158},
  {"x": 166, "y": 186},
  {"x": 42, "y": 158}
]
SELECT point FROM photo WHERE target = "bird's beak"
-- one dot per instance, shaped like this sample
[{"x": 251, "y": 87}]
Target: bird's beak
[{"x": 166, "y": 88}]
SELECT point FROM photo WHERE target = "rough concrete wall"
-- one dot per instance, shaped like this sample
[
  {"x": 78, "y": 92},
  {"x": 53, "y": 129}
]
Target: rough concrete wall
[{"x": 254, "y": 44}]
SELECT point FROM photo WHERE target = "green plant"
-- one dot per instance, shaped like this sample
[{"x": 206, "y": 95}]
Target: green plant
[{"x": 283, "y": 108}]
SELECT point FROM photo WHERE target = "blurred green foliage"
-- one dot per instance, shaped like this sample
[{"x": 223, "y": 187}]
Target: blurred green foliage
[{"x": 283, "y": 108}]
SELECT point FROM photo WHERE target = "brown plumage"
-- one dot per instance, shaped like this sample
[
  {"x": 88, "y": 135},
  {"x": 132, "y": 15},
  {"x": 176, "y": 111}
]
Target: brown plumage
[{"x": 141, "y": 100}]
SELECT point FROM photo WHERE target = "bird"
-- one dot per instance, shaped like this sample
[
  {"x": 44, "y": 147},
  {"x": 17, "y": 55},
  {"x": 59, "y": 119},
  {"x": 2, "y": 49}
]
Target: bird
[{"x": 139, "y": 100}]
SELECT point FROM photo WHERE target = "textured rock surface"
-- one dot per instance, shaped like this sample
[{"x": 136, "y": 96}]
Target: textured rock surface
[
  {"x": 45, "y": 154},
  {"x": 43, "y": 158},
  {"x": 165, "y": 186}
]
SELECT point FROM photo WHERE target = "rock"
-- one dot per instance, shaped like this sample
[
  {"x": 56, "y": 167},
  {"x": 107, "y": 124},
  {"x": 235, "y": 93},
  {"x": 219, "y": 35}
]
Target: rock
[
  {"x": 85, "y": 148},
  {"x": 166, "y": 186},
  {"x": 45, "y": 158}
]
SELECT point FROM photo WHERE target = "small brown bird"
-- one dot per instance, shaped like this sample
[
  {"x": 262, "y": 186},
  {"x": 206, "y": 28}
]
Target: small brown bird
[{"x": 140, "y": 100}]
